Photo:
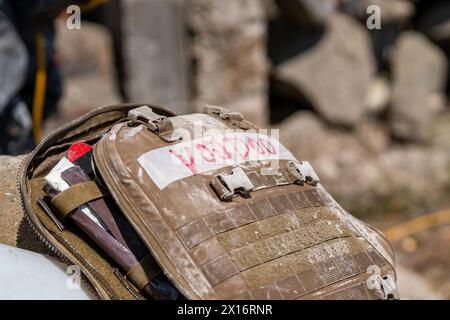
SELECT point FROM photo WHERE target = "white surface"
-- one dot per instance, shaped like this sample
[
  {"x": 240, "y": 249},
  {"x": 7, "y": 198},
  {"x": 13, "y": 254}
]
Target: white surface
[
  {"x": 28, "y": 275},
  {"x": 168, "y": 164}
]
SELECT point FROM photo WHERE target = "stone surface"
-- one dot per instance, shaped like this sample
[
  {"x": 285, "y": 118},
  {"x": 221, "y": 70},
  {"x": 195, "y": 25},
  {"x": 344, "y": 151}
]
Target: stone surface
[
  {"x": 93, "y": 49},
  {"x": 413, "y": 286},
  {"x": 430, "y": 259},
  {"x": 271, "y": 9},
  {"x": 221, "y": 15},
  {"x": 229, "y": 53},
  {"x": 440, "y": 132},
  {"x": 156, "y": 52},
  {"x": 392, "y": 11},
  {"x": 334, "y": 74},
  {"x": 365, "y": 171},
  {"x": 253, "y": 107},
  {"x": 14, "y": 229},
  {"x": 435, "y": 22},
  {"x": 10, "y": 213},
  {"x": 230, "y": 64},
  {"x": 412, "y": 176},
  {"x": 441, "y": 32},
  {"x": 88, "y": 72},
  {"x": 285, "y": 40},
  {"x": 378, "y": 95},
  {"x": 308, "y": 12},
  {"x": 419, "y": 78}
]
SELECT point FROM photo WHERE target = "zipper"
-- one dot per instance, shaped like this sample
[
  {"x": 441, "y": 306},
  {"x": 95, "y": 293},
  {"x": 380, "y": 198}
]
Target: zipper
[
  {"x": 24, "y": 208},
  {"x": 44, "y": 240},
  {"x": 25, "y": 205}
]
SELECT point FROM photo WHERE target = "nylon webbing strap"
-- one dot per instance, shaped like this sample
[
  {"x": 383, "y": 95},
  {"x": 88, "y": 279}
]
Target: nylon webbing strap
[
  {"x": 74, "y": 197},
  {"x": 243, "y": 181},
  {"x": 278, "y": 177},
  {"x": 143, "y": 272},
  {"x": 234, "y": 117}
]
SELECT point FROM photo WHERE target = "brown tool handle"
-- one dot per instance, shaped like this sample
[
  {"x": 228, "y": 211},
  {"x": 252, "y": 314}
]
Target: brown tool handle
[
  {"x": 106, "y": 209},
  {"x": 118, "y": 253},
  {"x": 139, "y": 270},
  {"x": 76, "y": 175}
]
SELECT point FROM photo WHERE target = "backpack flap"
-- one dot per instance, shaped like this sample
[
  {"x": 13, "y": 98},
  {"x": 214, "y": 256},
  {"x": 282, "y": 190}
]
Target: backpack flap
[{"x": 223, "y": 222}]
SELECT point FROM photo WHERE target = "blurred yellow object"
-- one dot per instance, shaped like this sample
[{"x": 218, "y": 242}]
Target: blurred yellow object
[
  {"x": 418, "y": 224},
  {"x": 409, "y": 245},
  {"x": 40, "y": 87}
]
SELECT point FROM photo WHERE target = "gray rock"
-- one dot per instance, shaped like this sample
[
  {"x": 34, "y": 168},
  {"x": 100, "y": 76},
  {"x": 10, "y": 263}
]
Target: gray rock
[
  {"x": 373, "y": 136},
  {"x": 229, "y": 64},
  {"x": 412, "y": 177},
  {"x": 228, "y": 45},
  {"x": 308, "y": 12},
  {"x": 271, "y": 9},
  {"x": 93, "y": 49},
  {"x": 441, "y": 32},
  {"x": 335, "y": 74},
  {"x": 156, "y": 52},
  {"x": 378, "y": 95},
  {"x": 10, "y": 211},
  {"x": 440, "y": 132},
  {"x": 434, "y": 21},
  {"x": 419, "y": 78},
  {"x": 302, "y": 132},
  {"x": 364, "y": 170},
  {"x": 253, "y": 107},
  {"x": 88, "y": 72},
  {"x": 220, "y": 15},
  {"x": 14, "y": 229},
  {"x": 414, "y": 286},
  {"x": 392, "y": 11}
]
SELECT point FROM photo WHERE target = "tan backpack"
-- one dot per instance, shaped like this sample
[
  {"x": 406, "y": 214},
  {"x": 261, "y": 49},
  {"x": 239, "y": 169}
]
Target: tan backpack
[{"x": 215, "y": 208}]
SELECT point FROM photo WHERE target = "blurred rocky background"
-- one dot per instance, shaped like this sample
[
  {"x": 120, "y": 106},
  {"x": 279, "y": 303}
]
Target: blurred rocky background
[{"x": 368, "y": 108}]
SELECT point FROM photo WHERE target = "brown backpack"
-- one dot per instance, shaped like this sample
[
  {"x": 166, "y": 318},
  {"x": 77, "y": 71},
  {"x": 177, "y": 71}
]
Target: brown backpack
[{"x": 225, "y": 212}]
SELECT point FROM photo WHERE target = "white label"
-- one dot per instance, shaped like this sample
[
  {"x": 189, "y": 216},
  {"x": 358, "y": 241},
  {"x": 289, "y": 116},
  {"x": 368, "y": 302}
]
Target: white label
[{"x": 168, "y": 164}]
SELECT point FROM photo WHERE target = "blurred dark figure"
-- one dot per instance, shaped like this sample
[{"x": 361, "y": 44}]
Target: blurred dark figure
[{"x": 30, "y": 82}]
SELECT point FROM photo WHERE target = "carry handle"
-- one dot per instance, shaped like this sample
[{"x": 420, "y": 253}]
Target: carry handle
[{"x": 159, "y": 124}]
